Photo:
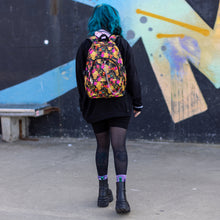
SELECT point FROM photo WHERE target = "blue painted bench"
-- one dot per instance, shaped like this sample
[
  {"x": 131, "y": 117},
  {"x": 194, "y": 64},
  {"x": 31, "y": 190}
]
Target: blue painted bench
[{"x": 15, "y": 119}]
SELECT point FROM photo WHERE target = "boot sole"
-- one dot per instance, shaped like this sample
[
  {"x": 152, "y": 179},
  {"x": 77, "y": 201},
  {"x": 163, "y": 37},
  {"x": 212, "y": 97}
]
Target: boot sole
[
  {"x": 122, "y": 208},
  {"x": 105, "y": 200}
]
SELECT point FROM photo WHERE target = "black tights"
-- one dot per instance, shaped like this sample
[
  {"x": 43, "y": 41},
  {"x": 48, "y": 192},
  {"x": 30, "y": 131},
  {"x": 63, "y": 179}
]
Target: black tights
[{"x": 117, "y": 137}]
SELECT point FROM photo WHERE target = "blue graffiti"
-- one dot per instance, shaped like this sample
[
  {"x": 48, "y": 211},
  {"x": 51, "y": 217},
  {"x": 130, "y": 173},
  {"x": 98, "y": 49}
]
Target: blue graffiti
[
  {"x": 178, "y": 52},
  {"x": 43, "y": 88}
]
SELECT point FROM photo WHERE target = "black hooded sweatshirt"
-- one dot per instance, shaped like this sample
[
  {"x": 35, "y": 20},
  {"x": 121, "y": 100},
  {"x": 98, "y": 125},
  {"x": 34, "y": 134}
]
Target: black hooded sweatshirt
[{"x": 94, "y": 110}]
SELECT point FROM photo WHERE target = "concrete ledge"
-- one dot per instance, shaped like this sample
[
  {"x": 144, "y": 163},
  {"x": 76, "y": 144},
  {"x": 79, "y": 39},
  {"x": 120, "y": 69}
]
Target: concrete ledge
[
  {"x": 14, "y": 128},
  {"x": 15, "y": 119}
]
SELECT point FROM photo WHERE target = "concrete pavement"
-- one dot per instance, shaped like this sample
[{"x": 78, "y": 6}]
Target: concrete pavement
[{"x": 55, "y": 179}]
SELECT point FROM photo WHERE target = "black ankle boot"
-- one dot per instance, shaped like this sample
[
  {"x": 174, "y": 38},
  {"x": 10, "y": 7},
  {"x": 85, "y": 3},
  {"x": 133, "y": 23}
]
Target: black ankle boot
[
  {"x": 122, "y": 205},
  {"x": 105, "y": 194}
]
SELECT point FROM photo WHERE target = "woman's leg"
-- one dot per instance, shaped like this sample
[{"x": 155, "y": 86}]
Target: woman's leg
[
  {"x": 102, "y": 154},
  {"x": 118, "y": 140}
]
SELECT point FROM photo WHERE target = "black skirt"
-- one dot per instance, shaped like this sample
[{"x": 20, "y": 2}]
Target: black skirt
[{"x": 104, "y": 125}]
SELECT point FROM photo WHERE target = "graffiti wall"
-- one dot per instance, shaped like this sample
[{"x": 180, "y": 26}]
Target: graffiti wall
[{"x": 177, "y": 51}]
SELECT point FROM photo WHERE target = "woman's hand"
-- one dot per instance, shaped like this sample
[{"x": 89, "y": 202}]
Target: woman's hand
[{"x": 136, "y": 113}]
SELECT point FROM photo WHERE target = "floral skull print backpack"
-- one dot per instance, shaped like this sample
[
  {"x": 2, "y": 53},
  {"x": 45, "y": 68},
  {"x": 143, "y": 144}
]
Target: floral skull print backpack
[{"x": 105, "y": 74}]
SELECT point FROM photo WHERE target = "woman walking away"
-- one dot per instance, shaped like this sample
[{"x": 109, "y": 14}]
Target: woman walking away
[{"x": 109, "y": 92}]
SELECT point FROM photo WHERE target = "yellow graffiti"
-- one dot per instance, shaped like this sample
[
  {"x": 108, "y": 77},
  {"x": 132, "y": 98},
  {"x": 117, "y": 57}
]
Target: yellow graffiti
[
  {"x": 202, "y": 31},
  {"x": 170, "y": 35}
]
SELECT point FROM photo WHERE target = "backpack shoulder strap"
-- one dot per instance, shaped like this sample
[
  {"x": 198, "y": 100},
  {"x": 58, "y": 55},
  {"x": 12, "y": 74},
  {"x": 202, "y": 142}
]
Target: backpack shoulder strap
[
  {"x": 93, "y": 38},
  {"x": 113, "y": 37}
]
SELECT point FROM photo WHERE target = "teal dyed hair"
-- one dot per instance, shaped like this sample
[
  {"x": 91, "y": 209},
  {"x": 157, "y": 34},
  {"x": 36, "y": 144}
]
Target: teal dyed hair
[{"x": 105, "y": 17}]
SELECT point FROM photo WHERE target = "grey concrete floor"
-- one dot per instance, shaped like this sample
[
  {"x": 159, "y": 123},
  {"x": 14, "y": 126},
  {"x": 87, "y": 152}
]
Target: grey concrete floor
[{"x": 55, "y": 178}]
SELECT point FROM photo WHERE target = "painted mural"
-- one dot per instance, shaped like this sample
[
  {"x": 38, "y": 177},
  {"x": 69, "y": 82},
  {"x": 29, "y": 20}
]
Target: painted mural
[
  {"x": 176, "y": 47},
  {"x": 173, "y": 38}
]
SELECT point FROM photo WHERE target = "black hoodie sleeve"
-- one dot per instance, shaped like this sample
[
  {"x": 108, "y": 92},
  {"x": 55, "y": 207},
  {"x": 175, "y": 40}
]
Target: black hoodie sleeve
[
  {"x": 81, "y": 57},
  {"x": 133, "y": 83}
]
